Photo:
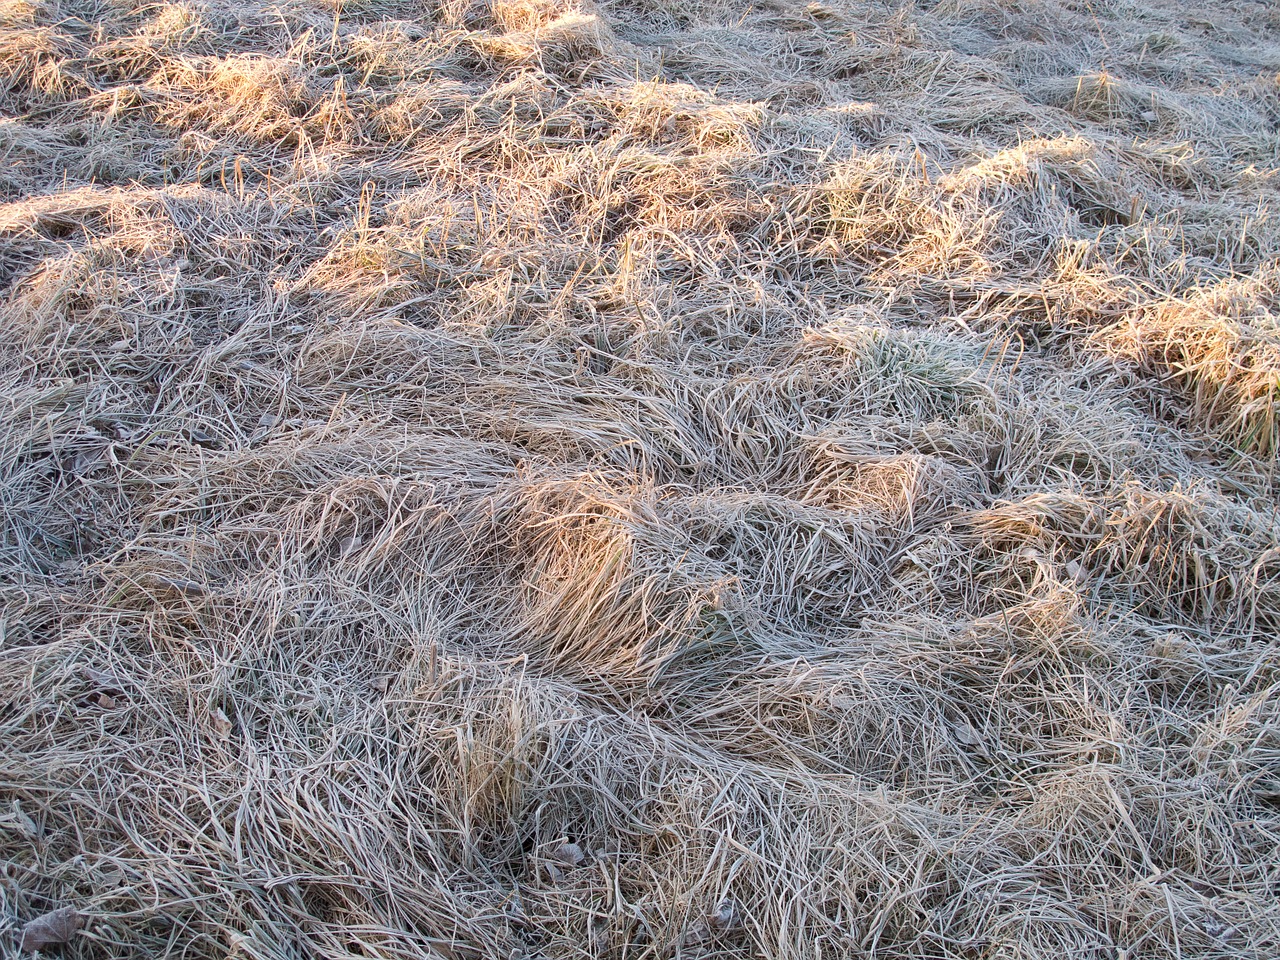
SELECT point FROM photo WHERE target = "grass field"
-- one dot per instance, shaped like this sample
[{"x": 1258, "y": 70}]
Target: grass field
[{"x": 658, "y": 479}]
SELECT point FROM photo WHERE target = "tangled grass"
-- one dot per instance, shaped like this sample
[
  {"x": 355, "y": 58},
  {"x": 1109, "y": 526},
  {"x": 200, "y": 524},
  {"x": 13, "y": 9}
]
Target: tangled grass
[{"x": 534, "y": 479}]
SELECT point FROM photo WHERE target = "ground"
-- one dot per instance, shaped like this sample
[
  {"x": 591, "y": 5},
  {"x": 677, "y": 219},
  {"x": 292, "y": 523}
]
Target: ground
[{"x": 670, "y": 478}]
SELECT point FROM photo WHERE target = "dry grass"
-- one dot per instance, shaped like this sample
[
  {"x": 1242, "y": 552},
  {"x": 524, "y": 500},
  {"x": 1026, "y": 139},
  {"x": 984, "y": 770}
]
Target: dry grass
[{"x": 530, "y": 479}]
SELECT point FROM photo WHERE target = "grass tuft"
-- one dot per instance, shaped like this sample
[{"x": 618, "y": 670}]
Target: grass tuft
[{"x": 640, "y": 480}]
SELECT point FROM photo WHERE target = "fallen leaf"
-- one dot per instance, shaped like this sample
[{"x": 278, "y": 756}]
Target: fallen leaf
[
  {"x": 569, "y": 854},
  {"x": 57, "y": 926},
  {"x": 105, "y": 680},
  {"x": 221, "y": 724},
  {"x": 187, "y": 588},
  {"x": 18, "y": 821},
  {"x": 966, "y": 734},
  {"x": 726, "y": 916}
]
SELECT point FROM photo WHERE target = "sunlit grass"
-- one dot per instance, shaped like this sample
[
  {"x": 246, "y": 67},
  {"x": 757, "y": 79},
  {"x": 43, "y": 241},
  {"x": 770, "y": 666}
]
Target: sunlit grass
[{"x": 640, "y": 479}]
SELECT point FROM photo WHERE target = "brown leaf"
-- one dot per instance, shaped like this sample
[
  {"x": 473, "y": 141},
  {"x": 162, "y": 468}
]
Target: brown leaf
[
  {"x": 221, "y": 722},
  {"x": 569, "y": 854},
  {"x": 726, "y": 916},
  {"x": 57, "y": 926},
  {"x": 105, "y": 680}
]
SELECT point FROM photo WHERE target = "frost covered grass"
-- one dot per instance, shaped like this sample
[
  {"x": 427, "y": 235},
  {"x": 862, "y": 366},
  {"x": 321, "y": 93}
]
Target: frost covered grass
[{"x": 523, "y": 479}]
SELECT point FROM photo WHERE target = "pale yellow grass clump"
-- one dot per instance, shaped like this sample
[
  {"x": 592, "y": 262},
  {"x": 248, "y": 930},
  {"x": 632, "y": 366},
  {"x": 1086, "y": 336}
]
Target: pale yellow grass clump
[
  {"x": 537, "y": 479},
  {"x": 1221, "y": 347}
]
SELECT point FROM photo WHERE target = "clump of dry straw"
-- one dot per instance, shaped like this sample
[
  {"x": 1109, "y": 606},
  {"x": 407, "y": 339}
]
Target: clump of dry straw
[{"x": 539, "y": 479}]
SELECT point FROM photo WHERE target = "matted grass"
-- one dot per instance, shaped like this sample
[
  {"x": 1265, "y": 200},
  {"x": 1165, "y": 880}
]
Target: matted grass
[{"x": 538, "y": 479}]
